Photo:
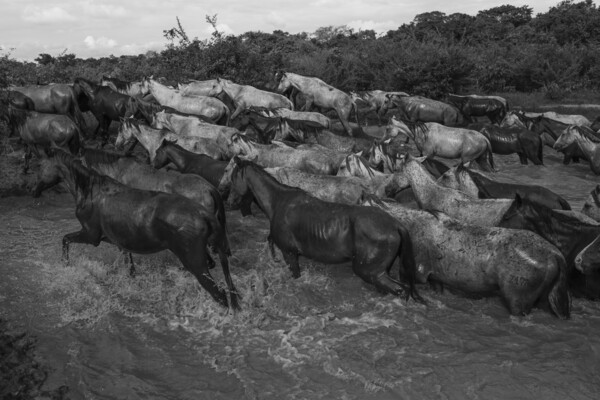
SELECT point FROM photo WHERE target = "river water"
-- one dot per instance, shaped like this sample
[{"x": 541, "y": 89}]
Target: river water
[{"x": 326, "y": 335}]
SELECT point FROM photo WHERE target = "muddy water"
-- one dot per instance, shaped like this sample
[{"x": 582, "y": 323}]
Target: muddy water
[{"x": 326, "y": 335}]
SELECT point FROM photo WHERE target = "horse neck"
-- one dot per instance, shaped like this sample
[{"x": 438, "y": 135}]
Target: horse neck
[
  {"x": 587, "y": 146},
  {"x": 160, "y": 92},
  {"x": 266, "y": 190},
  {"x": 231, "y": 89},
  {"x": 177, "y": 155},
  {"x": 113, "y": 169},
  {"x": 421, "y": 182},
  {"x": 146, "y": 137}
]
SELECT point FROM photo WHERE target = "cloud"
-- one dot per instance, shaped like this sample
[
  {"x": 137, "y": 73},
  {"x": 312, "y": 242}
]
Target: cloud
[
  {"x": 100, "y": 43},
  {"x": 103, "y": 10},
  {"x": 49, "y": 15},
  {"x": 276, "y": 19},
  {"x": 135, "y": 49}
]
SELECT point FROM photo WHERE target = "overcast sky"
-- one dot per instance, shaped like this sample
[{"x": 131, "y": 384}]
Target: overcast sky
[{"x": 96, "y": 28}]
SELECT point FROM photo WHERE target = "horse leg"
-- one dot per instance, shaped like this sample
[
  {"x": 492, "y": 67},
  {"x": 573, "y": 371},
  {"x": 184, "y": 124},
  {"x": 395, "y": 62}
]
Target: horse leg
[
  {"x": 522, "y": 158},
  {"x": 292, "y": 261},
  {"x": 27, "y": 158},
  {"x": 372, "y": 272},
  {"x": 237, "y": 112},
  {"x": 271, "y": 246},
  {"x": 232, "y": 290},
  {"x": 81, "y": 236},
  {"x": 194, "y": 260}
]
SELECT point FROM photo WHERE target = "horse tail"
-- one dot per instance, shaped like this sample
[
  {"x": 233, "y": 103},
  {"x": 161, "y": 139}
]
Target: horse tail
[
  {"x": 490, "y": 156},
  {"x": 408, "y": 263},
  {"x": 221, "y": 218},
  {"x": 74, "y": 143},
  {"x": 222, "y": 245},
  {"x": 75, "y": 111},
  {"x": 559, "y": 297}
]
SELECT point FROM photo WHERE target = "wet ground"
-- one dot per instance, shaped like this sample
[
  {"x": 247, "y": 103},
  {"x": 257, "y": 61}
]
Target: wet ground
[{"x": 326, "y": 335}]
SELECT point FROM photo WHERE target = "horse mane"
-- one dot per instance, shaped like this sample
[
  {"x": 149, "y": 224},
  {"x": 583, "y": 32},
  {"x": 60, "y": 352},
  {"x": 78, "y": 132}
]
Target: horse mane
[
  {"x": 88, "y": 86},
  {"x": 119, "y": 84},
  {"x": 546, "y": 215},
  {"x": 587, "y": 134},
  {"x": 241, "y": 164},
  {"x": 416, "y": 126},
  {"x": 17, "y": 117}
]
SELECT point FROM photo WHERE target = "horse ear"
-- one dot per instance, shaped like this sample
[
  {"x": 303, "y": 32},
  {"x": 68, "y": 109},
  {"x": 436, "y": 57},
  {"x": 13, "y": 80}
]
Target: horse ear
[
  {"x": 360, "y": 153},
  {"x": 518, "y": 200},
  {"x": 420, "y": 159},
  {"x": 388, "y": 141}
]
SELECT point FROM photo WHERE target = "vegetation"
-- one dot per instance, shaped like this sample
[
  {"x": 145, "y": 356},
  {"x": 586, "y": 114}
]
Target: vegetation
[{"x": 501, "y": 49}]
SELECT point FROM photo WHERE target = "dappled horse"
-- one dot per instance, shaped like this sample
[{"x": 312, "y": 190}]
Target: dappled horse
[
  {"x": 302, "y": 225},
  {"x": 39, "y": 130},
  {"x": 433, "y": 139},
  {"x": 132, "y": 131},
  {"x": 376, "y": 100},
  {"x": 590, "y": 148},
  {"x": 106, "y": 105},
  {"x": 524, "y": 269},
  {"x": 53, "y": 99},
  {"x": 479, "y": 186},
  {"x": 568, "y": 232},
  {"x": 246, "y": 96},
  {"x": 435, "y": 197},
  {"x": 321, "y": 95},
  {"x": 143, "y": 221},
  {"x": 422, "y": 109},
  {"x": 212, "y": 108}
]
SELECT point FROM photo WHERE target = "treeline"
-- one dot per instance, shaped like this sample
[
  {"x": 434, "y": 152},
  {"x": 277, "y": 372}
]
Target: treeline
[{"x": 501, "y": 49}]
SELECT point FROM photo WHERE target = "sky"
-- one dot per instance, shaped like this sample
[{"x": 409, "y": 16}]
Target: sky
[{"x": 98, "y": 28}]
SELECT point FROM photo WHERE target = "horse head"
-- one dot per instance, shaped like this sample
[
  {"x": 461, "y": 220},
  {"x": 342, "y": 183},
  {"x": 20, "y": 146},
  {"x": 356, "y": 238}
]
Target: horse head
[
  {"x": 161, "y": 156},
  {"x": 240, "y": 145},
  {"x": 234, "y": 180},
  {"x": 126, "y": 131},
  {"x": 591, "y": 208},
  {"x": 587, "y": 260},
  {"x": 217, "y": 87},
  {"x": 356, "y": 165},
  {"x": 284, "y": 83},
  {"x": 567, "y": 137}
]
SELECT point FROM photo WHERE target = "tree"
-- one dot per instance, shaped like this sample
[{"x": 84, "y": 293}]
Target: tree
[{"x": 45, "y": 59}]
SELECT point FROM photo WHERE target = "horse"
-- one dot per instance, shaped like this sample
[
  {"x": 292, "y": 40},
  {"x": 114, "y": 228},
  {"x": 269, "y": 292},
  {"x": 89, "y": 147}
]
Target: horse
[
  {"x": 568, "y": 119},
  {"x": 133, "y": 89},
  {"x": 187, "y": 162},
  {"x": 422, "y": 109},
  {"x": 321, "y": 95},
  {"x": 433, "y": 139},
  {"x": 144, "y": 221},
  {"x": 53, "y": 99},
  {"x": 567, "y": 231},
  {"x": 591, "y": 207},
  {"x": 333, "y": 233},
  {"x": 587, "y": 262},
  {"x": 519, "y": 266},
  {"x": 310, "y": 158},
  {"x": 210, "y": 107},
  {"x": 479, "y": 186},
  {"x": 375, "y": 99},
  {"x": 245, "y": 96},
  {"x": 591, "y": 149},
  {"x": 527, "y": 144},
  {"x": 502, "y": 100},
  {"x": 471, "y": 107},
  {"x": 106, "y": 105},
  {"x": 456, "y": 204},
  {"x": 314, "y": 120},
  {"x": 191, "y": 125},
  {"x": 39, "y": 130}
]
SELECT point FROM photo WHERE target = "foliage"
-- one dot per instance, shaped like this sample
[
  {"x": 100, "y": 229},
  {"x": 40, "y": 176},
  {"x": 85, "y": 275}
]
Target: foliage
[{"x": 503, "y": 48}]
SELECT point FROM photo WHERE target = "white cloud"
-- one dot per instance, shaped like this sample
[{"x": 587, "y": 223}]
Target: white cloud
[
  {"x": 103, "y": 10},
  {"x": 54, "y": 14},
  {"x": 100, "y": 43},
  {"x": 135, "y": 49},
  {"x": 276, "y": 19}
]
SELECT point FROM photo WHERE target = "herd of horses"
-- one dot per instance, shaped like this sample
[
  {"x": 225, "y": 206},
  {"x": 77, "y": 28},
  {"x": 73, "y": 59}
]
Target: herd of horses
[{"x": 330, "y": 193}]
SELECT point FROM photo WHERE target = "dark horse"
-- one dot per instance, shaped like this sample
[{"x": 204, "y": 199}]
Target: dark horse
[
  {"x": 492, "y": 189},
  {"x": 190, "y": 163},
  {"x": 54, "y": 99},
  {"x": 106, "y": 104},
  {"x": 479, "y": 107},
  {"x": 526, "y": 144},
  {"x": 143, "y": 221},
  {"x": 328, "y": 232},
  {"x": 39, "y": 130},
  {"x": 567, "y": 232}
]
